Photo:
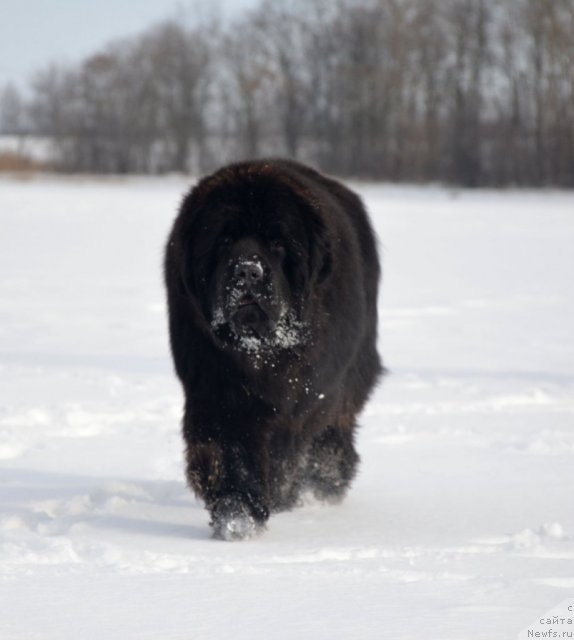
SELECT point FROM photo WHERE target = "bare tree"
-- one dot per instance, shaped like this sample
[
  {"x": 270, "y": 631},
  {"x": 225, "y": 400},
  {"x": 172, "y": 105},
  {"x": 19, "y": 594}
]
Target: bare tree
[
  {"x": 466, "y": 91},
  {"x": 245, "y": 84},
  {"x": 178, "y": 80},
  {"x": 12, "y": 111}
]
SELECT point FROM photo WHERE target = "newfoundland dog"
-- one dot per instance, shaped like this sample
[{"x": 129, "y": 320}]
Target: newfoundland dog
[{"x": 272, "y": 273}]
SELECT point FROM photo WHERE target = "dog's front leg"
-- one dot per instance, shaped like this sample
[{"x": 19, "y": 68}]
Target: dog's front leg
[{"x": 230, "y": 478}]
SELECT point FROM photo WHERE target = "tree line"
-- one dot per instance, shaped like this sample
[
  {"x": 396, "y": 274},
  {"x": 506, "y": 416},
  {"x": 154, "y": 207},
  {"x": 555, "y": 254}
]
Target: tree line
[{"x": 469, "y": 92}]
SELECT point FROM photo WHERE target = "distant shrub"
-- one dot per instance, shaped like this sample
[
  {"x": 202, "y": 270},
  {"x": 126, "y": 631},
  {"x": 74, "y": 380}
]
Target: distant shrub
[{"x": 12, "y": 162}]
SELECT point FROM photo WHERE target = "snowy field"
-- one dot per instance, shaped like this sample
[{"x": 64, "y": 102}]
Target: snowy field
[{"x": 461, "y": 522}]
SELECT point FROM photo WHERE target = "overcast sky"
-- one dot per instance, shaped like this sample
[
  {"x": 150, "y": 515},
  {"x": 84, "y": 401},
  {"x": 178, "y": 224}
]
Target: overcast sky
[{"x": 35, "y": 32}]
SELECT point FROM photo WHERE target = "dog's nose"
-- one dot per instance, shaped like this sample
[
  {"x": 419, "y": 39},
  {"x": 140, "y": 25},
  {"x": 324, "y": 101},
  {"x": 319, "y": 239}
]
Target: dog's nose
[{"x": 249, "y": 270}]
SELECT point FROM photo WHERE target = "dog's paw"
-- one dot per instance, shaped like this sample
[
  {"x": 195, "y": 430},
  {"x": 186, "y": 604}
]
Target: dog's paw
[{"x": 233, "y": 518}]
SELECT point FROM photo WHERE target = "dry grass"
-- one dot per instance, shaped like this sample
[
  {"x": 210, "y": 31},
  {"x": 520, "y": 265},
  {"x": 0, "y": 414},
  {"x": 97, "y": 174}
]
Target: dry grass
[{"x": 11, "y": 162}]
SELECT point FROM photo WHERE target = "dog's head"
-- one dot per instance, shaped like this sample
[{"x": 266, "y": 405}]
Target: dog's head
[{"x": 254, "y": 249}]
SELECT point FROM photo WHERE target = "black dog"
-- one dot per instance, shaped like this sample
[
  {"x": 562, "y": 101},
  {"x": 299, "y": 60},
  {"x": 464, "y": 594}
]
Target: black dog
[{"x": 272, "y": 274}]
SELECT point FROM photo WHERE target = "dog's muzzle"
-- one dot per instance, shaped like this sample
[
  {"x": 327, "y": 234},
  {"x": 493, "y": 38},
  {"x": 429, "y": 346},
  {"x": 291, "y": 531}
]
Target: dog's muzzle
[{"x": 247, "y": 300}]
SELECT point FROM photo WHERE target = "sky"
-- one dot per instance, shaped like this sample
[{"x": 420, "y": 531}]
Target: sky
[{"x": 36, "y": 32}]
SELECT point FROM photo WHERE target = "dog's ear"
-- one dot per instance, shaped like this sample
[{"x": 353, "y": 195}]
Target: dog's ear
[
  {"x": 192, "y": 211},
  {"x": 181, "y": 280},
  {"x": 320, "y": 249},
  {"x": 320, "y": 242},
  {"x": 177, "y": 252}
]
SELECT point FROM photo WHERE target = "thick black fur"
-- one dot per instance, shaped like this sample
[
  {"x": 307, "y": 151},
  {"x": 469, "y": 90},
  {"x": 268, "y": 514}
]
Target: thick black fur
[{"x": 272, "y": 276}]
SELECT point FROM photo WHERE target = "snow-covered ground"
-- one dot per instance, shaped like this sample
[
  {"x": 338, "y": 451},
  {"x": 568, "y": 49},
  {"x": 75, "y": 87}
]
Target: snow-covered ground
[{"x": 461, "y": 522}]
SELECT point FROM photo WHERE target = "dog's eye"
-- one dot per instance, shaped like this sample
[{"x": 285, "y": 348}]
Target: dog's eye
[
  {"x": 278, "y": 247},
  {"x": 224, "y": 242}
]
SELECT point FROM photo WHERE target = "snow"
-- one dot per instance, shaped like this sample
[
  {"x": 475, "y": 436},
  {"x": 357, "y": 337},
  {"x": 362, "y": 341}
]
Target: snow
[
  {"x": 287, "y": 333},
  {"x": 460, "y": 524}
]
